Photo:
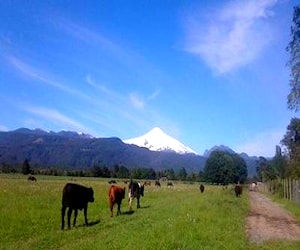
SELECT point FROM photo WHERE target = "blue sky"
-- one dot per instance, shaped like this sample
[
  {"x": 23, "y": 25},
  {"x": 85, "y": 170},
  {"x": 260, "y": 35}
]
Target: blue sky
[{"x": 205, "y": 72}]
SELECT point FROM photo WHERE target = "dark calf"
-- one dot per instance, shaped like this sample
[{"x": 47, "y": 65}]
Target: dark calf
[
  {"x": 202, "y": 188},
  {"x": 31, "y": 178},
  {"x": 238, "y": 189},
  {"x": 157, "y": 183},
  {"x": 170, "y": 184},
  {"x": 75, "y": 197}
]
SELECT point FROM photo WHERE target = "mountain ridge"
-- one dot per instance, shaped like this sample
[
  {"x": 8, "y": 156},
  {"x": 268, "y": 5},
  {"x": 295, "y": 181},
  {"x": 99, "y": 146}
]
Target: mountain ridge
[
  {"x": 75, "y": 150},
  {"x": 71, "y": 151}
]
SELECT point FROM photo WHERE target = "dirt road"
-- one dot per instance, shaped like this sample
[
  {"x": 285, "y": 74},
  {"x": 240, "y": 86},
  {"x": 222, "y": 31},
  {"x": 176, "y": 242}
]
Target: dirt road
[{"x": 269, "y": 221}]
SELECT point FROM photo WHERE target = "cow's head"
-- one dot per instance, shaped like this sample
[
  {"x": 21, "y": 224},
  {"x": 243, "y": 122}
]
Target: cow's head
[{"x": 91, "y": 195}]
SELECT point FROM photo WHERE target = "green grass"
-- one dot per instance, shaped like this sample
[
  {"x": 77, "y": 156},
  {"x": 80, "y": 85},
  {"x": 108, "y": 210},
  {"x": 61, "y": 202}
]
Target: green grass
[
  {"x": 179, "y": 217},
  {"x": 291, "y": 206}
]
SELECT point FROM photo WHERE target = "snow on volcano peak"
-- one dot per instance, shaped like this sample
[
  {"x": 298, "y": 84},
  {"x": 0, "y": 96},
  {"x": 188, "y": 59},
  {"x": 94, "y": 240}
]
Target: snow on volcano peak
[{"x": 157, "y": 140}]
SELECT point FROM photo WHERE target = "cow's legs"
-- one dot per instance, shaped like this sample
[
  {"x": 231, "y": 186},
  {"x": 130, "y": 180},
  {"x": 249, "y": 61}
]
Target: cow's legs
[
  {"x": 75, "y": 216},
  {"x": 130, "y": 202},
  {"x": 85, "y": 216},
  {"x": 138, "y": 202},
  {"x": 111, "y": 209},
  {"x": 119, "y": 209},
  {"x": 63, "y": 211},
  {"x": 69, "y": 217}
]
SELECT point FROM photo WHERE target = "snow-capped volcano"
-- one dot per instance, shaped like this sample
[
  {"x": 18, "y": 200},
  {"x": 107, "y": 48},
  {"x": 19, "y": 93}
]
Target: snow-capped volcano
[{"x": 157, "y": 140}]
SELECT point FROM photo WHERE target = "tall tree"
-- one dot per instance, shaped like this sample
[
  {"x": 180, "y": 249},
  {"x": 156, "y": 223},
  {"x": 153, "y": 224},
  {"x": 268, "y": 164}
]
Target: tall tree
[
  {"x": 294, "y": 62},
  {"x": 279, "y": 162},
  {"x": 261, "y": 166},
  {"x": 223, "y": 168},
  {"x": 123, "y": 172},
  {"x": 26, "y": 167},
  {"x": 182, "y": 174},
  {"x": 291, "y": 141},
  {"x": 240, "y": 172}
]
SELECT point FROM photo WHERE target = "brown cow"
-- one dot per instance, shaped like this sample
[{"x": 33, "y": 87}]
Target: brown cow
[
  {"x": 116, "y": 195},
  {"x": 238, "y": 189},
  {"x": 147, "y": 183},
  {"x": 201, "y": 188}
]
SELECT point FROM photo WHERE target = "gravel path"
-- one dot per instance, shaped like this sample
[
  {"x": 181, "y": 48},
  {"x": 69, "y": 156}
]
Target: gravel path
[{"x": 269, "y": 221}]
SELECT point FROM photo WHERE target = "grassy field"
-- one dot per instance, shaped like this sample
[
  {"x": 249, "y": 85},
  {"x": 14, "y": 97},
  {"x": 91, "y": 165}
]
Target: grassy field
[{"x": 179, "y": 217}]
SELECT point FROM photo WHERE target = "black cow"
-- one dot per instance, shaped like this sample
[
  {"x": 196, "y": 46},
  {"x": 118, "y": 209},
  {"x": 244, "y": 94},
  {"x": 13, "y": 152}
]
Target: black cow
[
  {"x": 31, "y": 178},
  {"x": 135, "y": 190},
  {"x": 238, "y": 189},
  {"x": 75, "y": 197},
  {"x": 157, "y": 183},
  {"x": 201, "y": 188},
  {"x": 170, "y": 184}
]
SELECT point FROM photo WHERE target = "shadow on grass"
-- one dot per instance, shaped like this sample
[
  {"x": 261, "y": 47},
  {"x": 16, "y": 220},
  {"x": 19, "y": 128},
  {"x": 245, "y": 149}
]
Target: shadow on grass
[
  {"x": 93, "y": 223},
  {"x": 90, "y": 224},
  {"x": 142, "y": 207},
  {"x": 129, "y": 212}
]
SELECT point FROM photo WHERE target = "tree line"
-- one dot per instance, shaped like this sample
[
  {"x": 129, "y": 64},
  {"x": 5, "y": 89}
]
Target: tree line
[
  {"x": 286, "y": 162},
  {"x": 118, "y": 171},
  {"x": 221, "y": 168}
]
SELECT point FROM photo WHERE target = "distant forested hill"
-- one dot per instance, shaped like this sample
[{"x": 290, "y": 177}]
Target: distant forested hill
[{"x": 72, "y": 150}]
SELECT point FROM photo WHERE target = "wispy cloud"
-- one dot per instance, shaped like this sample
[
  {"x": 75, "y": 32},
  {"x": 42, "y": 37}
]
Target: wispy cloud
[
  {"x": 87, "y": 35},
  {"x": 40, "y": 76},
  {"x": 133, "y": 108},
  {"x": 232, "y": 36},
  {"x": 36, "y": 74},
  {"x": 136, "y": 101},
  {"x": 103, "y": 88},
  {"x": 262, "y": 144},
  {"x": 112, "y": 50},
  {"x": 31, "y": 72},
  {"x": 56, "y": 117},
  {"x": 153, "y": 95}
]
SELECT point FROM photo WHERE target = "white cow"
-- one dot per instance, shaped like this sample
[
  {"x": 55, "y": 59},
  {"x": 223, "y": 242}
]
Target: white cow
[{"x": 253, "y": 186}]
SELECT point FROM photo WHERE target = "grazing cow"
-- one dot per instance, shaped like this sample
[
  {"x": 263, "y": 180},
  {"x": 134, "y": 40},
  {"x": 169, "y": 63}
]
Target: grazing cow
[
  {"x": 116, "y": 195},
  {"x": 169, "y": 184},
  {"x": 147, "y": 183},
  {"x": 202, "y": 188},
  {"x": 112, "y": 181},
  {"x": 135, "y": 190},
  {"x": 31, "y": 178},
  {"x": 238, "y": 189},
  {"x": 75, "y": 197},
  {"x": 157, "y": 183},
  {"x": 253, "y": 186}
]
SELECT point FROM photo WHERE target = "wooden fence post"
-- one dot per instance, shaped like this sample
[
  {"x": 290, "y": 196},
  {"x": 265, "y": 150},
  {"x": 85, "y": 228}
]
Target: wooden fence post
[{"x": 291, "y": 190}]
